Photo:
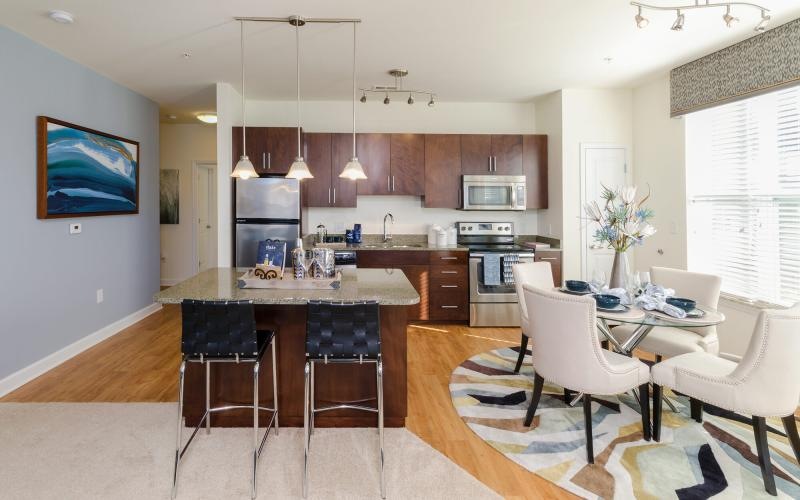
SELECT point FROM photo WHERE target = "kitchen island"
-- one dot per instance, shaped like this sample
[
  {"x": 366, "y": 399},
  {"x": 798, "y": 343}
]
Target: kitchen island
[{"x": 285, "y": 312}]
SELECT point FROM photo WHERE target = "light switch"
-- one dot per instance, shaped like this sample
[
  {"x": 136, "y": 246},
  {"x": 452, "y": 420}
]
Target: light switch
[
  {"x": 74, "y": 228},
  {"x": 100, "y": 297}
]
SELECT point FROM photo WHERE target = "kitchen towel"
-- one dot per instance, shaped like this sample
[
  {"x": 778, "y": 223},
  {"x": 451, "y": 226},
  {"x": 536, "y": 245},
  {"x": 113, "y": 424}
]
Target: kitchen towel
[
  {"x": 509, "y": 260},
  {"x": 491, "y": 269}
]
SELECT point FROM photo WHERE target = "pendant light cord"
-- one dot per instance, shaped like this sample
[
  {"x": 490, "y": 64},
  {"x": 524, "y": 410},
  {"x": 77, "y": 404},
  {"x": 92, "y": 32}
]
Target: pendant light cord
[
  {"x": 244, "y": 114},
  {"x": 354, "y": 89},
  {"x": 297, "y": 38}
]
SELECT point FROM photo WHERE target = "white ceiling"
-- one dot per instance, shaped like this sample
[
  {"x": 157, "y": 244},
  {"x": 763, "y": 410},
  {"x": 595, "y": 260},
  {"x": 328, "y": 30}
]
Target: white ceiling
[{"x": 464, "y": 50}]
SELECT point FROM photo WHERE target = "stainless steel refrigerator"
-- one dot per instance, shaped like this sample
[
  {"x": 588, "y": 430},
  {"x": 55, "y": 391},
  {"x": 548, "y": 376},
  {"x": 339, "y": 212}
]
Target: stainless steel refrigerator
[{"x": 265, "y": 208}]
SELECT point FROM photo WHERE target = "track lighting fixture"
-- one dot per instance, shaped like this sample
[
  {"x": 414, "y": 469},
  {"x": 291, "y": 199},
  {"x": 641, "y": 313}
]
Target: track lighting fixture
[
  {"x": 386, "y": 99},
  {"x": 411, "y": 98},
  {"x": 397, "y": 88},
  {"x": 363, "y": 97},
  {"x": 729, "y": 19},
  {"x": 641, "y": 21},
  {"x": 678, "y": 24}
]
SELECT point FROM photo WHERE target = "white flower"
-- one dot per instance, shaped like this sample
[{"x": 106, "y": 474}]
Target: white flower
[
  {"x": 647, "y": 231},
  {"x": 593, "y": 211},
  {"x": 627, "y": 194}
]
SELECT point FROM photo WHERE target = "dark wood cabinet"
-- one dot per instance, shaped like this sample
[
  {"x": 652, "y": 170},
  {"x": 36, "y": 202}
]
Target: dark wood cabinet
[
  {"x": 448, "y": 288},
  {"x": 374, "y": 155},
  {"x": 507, "y": 153},
  {"x": 271, "y": 149},
  {"x": 534, "y": 165},
  {"x": 415, "y": 266},
  {"x": 442, "y": 171},
  {"x": 476, "y": 154},
  {"x": 407, "y": 164},
  {"x": 326, "y": 155},
  {"x": 554, "y": 258}
]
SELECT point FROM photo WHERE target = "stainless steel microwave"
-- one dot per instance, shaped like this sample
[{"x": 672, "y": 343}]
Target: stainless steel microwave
[{"x": 493, "y": 192}]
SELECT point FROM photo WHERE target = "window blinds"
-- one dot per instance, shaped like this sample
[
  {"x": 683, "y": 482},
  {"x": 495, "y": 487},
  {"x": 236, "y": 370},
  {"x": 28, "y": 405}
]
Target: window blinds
[{"x": 743, "y": 188}]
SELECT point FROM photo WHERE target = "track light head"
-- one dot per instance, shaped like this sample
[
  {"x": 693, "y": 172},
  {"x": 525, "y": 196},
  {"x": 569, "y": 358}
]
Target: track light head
[
  {"x": 363, "y": 97},
  {"x": 678, "y": 24},
  {"x": 641, "y": 21},
  {"x": 729, "y": 19},
  {"x": 431, "y": 102},
  {"x": 411, "y": 98},
  {"x": 386, "y": 99},
  {"x": 762, "y": 24}
]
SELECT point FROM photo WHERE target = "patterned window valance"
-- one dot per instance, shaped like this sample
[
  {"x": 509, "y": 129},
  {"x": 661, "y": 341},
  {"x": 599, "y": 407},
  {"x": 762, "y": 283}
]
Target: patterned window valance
[{"x": 756, "y": 65}]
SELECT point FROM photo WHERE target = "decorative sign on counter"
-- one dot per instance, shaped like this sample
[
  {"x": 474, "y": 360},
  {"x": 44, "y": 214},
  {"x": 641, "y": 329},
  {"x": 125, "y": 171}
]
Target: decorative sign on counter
[
  {"x": 253, "y": 279},
  {"x": 272, "y": 252}
]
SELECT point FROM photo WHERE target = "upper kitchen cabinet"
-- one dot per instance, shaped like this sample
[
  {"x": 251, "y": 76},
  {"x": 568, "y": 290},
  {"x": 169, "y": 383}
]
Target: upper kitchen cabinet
[
  {"x": 374, "y": 154},
  {"x": 271, "y": 149},
  {"x": 491, "y": 154},
  {"x": 326, "y": 155},
  {"x": 442, "y": 171},
  {"x": 534, "y": 164},
  {"x": 407, "y": 164}
]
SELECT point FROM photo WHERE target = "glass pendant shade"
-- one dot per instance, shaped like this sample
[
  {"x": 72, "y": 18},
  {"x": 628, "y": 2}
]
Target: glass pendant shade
[
  {"x": 299, "y": 170},
  {"x": 353, "y": 170},
  {"x": 244, "y": 169}
]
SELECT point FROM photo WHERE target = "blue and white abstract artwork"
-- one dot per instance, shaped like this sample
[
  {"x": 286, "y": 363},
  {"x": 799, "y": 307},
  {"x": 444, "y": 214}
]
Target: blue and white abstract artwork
[{"x": 89, "y": 173}]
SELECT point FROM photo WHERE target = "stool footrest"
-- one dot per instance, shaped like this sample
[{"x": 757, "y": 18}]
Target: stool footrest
[{"x": 345, "y": 407}]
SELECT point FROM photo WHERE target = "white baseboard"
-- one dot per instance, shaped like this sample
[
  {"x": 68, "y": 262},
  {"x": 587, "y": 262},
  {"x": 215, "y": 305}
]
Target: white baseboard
[{"x": 30, "y": 372}]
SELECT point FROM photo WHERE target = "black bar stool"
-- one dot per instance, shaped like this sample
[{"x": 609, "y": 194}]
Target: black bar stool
[
  {"x": 224, "y": 332},
  {"x": 342, "y": 332}
]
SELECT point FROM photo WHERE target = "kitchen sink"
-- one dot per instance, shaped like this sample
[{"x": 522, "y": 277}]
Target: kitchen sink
[{"x": 389, "y": 246}]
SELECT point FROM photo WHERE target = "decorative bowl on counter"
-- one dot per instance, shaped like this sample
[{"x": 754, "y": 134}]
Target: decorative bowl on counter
[
  {"x": 577, "y": 286},
  {"x": 687, "y": 305},
  {"x": 606, "y": 301}
]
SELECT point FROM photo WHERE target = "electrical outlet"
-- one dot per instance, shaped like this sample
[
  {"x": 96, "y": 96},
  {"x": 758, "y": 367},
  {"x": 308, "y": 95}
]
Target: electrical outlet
[
  {"x": 99, "y": 295},
  {"x": 74, "y": 228}
]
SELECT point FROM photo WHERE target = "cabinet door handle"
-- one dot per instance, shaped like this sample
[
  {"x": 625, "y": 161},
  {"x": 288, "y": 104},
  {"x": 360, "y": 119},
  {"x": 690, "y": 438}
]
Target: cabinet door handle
[
  {"x": 449, "y": 307},
  {"x": 448, "y": 258},
  {"x": 334, "y": 196},
  {"x": 449, "y": 272},
  {"x": 269, "y": 160},
  {"x": 548, "y": 258},
  {"x": 490, "y": 164},
  {"x": 263, "y": 160},
  {"x": 494, "y": 164},
  {"x": 392, "y": 183},
  {"x": 449, "y": 286},
  {"x": 329, "y": 196},
  {"x": 389, "y": 183}
]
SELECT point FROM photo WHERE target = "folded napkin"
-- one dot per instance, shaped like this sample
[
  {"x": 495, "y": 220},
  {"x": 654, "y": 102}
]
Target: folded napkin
[{"x": 654, "y": 299}]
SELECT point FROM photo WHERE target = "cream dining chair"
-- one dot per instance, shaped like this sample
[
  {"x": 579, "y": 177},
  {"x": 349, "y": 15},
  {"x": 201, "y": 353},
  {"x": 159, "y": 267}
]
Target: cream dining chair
[
  {"x": 567, "y": 352},
  {"x": 668, "y": 342},
  {"x": 764, "y": 383},
  {"x": 536, "y": 274}
]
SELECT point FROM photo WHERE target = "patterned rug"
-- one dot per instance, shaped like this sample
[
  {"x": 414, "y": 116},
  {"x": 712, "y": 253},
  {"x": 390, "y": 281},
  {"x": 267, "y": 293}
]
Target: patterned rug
[{"x": 716, "y": 458}]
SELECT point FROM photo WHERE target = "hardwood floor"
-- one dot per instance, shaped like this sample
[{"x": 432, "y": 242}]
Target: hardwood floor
[{"x": 140, "y": 364}]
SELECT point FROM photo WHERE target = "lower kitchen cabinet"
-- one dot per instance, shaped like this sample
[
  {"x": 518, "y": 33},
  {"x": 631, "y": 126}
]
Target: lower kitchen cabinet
[{"x": 554, "y": 258}]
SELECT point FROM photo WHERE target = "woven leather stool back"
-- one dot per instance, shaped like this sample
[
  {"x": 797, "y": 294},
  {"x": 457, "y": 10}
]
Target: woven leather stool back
[
  {"x": 218, "y": 328},
  {"x": 343, "y": 330}
]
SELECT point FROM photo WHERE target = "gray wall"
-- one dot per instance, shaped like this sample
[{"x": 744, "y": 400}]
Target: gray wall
[{"x": 48, "y": 278}]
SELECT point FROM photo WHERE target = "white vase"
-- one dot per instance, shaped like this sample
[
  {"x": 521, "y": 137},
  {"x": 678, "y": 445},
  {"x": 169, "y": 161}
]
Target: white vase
[{"x": 619, "y": 270}]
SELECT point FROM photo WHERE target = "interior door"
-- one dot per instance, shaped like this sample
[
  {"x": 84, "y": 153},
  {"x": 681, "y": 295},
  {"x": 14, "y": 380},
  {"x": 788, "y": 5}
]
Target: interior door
[
  {"x": 205, "y": 217},
  {"x": 601, "y": 166}
]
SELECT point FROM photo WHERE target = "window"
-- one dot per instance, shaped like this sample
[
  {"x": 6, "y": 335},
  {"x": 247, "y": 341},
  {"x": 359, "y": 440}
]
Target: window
[{"x": 743, "y": 190}]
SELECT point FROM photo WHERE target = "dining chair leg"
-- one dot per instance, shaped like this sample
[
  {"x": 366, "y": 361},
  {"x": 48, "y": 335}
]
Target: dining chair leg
[
  {"x": 311, "y": 401},
  {"x": 791, "y": 431},
  {"x": 696, "y": 407},
  {"x": 762, "y": 447},
  {"x": 567, "y": 396},
  {"x": 275, "y": 387},
  {"x": 587, "y": 420},
  {"x": 644, "y": 402},
  {"x": 523, "y": 347},
  {"x": 538, "y": 384},
  {"x": 180, "y": 430},
  {"x": 208, "y": 397},
  {"x": 379, "y": 370},
  {"x": 657, "y": 400},
  {"x": 306, "y": 435},
  {"x": 256, "y": 368}
]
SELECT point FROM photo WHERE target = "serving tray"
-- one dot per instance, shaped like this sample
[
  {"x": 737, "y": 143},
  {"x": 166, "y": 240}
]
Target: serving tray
[{"x": 250, "y": 280}]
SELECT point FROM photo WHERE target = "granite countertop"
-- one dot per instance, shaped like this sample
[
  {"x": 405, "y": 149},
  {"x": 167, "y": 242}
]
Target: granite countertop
[{"x": 389, "y": 287}]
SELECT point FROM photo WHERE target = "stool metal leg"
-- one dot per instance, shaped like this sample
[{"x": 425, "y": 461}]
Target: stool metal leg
[
  {"x": 255, "y": 426},
  {"x": 379, "y": 370},
  {"x": 180, "y": 430},
  {"x": 306, "y": 435},
  {"x": 275, "y": 386},
  {"x": 208, "y": 397},
  {"x": 312, "y": 402}
]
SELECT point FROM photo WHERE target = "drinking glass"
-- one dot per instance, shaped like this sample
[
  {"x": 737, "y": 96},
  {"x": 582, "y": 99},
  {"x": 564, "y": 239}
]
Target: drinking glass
[
  {"x": 598, "y": 278},
  {"x": 634, "y": 285},
  {"x": 644, "y": 278}
]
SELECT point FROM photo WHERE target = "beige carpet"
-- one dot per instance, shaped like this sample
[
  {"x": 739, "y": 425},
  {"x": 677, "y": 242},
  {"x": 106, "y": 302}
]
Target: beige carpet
[{"x": 124, "y": 451}]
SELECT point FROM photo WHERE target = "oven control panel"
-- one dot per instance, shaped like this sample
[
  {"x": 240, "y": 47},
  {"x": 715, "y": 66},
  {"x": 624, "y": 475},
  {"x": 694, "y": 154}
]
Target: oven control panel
[{"x": 485, "y": 228}]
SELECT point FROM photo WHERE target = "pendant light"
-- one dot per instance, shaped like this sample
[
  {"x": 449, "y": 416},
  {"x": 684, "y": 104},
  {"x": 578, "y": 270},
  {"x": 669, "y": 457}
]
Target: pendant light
[
  {"x": 353, "y": 170},
  {"x": 299, "y": 170},
  {"x": 244, "y": 168}
]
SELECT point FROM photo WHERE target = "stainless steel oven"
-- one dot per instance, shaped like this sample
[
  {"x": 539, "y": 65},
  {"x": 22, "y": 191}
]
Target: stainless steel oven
[
  {"x": 493, "y": 192},
  {"x": 492, "y": 294}
]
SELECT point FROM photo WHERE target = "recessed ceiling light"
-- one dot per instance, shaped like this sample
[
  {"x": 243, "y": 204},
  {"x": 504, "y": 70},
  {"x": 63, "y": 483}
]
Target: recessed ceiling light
[
  {"x": 608, "y": 60},
  {"x": 172, "y": 117},
  {"x": 61, "y": 16},
  {"x": 207, "y": 117}
]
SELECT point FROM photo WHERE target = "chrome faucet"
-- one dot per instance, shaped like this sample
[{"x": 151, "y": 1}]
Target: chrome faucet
[{"x": 387, "y": 235}]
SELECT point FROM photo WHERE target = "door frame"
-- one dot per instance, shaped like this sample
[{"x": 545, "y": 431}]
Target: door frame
[
  {"x": 584, "y": 147},
  {"x": 196, "y": 165}
]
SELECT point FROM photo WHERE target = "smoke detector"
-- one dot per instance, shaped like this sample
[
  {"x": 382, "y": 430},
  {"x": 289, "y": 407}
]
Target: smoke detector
[{"x": 61, "y": 16}]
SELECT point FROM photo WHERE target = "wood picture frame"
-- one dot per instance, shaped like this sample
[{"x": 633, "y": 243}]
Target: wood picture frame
[{"x": 94, "y": 173}]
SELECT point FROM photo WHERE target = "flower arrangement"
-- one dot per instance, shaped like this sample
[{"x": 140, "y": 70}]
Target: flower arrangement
[{"x": 623, "y": 221}]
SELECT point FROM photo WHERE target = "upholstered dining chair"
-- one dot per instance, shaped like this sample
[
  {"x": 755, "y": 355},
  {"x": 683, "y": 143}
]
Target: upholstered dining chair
[
  {"x": 539, "y": 275},
  {"x": 668, "y": 342},
  {"x": 567, "y": 352},
  {"x": 764, "y": 383}
]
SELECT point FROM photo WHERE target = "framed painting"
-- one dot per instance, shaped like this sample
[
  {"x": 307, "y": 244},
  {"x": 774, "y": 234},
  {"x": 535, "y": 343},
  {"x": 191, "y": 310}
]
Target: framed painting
[
  {"x": 168, "y": 196},
  {"x": 83, "y": 172}
]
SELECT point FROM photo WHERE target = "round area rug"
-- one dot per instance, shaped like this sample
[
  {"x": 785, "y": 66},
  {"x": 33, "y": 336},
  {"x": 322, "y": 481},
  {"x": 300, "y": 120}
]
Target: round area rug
[{"x": 692, "y": 460}]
